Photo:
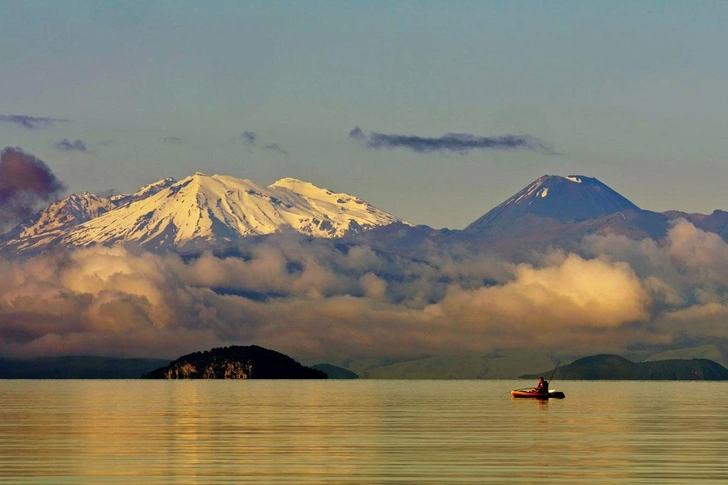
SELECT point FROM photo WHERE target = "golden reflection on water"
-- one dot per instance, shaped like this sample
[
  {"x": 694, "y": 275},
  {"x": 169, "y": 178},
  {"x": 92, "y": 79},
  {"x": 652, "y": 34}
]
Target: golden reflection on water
[{"x": 214, "y": 432}]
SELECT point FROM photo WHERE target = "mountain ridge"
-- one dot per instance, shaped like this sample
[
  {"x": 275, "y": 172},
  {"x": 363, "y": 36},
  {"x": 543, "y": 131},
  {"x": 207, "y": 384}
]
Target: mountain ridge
[
  {"x": 615, "y": 367},
  {"x": 206, "y": 212},
  {"x": 202, "y": 211}
]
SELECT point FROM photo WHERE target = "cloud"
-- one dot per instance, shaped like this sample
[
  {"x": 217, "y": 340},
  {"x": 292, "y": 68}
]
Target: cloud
[
  {"x": 449, "y": 142},
  {"x": 175, "y": 140},
  {"x": 67, "y": 145},
  {"x": 25, "y": 183},
  {"x": 319, "y": 299},
  {"x": 30, "y": 122},
  {"x": 276, "y": 148},
  {"x": 249, "y": 137}
]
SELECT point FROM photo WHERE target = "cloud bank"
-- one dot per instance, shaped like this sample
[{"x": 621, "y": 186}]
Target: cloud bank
[
  {"x": 321, "y": 300},
  {"x": 26, "y": 182},
  {"x": 449, "y": 142}
]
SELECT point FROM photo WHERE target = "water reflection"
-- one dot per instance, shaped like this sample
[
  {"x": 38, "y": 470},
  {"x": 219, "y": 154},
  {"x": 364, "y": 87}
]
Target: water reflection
[{"x": 195, "y": 432}]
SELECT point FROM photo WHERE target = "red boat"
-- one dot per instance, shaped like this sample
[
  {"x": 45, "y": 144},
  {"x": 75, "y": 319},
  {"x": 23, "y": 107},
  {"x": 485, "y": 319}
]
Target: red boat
[{"x": 537, "y": 395}]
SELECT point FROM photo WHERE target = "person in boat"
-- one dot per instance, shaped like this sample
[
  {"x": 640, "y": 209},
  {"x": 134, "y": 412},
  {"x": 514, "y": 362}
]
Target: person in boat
[{"x": 542, "y": 387}]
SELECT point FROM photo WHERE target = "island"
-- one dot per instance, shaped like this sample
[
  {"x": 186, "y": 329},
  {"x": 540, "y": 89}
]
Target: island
[
  {"x": 615, "y": 367},
  {"x": 235, "y": 362},
  {"x": 336, "y": 372}
]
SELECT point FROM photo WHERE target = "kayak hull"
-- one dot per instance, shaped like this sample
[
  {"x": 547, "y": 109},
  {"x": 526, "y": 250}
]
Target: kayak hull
[{"x": 538, "y": 395}]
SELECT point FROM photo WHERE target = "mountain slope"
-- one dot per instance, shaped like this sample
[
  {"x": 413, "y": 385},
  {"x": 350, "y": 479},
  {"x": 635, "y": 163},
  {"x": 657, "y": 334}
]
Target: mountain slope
[
  {"x": 552, "y": 211},
  {"x": 565, "y": 199},
  {"x": 716, "y": 222},
  {"x": 143, "y": 193},
  {"x": 46, "y": 226},
  {"x": 64, "y": 214}
]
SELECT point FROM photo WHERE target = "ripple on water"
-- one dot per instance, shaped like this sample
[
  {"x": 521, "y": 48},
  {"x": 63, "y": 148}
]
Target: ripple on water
[{"x": 215, "y": 432}]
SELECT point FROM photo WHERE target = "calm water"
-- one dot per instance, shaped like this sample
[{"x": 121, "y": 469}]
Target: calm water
[{"x": 215, "y": 432}]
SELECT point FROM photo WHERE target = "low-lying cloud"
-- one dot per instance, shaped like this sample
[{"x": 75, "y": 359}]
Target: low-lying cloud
[
  {"x": 449, "y": 142},
  {"x": 317, "y": 299},
  {"x": 26, "y": 183}
]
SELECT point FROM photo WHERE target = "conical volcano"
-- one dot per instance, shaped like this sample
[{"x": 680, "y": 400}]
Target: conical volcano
[{"x": 566, "y": 199}]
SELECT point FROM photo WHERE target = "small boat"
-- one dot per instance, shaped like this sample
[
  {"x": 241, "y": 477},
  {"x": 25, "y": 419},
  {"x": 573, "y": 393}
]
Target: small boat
[{"x": 537, "y": 395}]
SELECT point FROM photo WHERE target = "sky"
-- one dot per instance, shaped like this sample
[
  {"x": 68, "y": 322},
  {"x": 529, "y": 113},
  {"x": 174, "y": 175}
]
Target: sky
[{"x": 433, "y": 111}]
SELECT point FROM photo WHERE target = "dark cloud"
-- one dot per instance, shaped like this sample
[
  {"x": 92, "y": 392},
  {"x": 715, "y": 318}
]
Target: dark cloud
[
  {"x": 29, "y": 122},
  {"x": 276, "y": 148},
  {"x": 25, "y": 183},
  {"x": 249, "y": 137},
  {"x": 450, "y": 142},
  {"x": 67, "y": 145}
]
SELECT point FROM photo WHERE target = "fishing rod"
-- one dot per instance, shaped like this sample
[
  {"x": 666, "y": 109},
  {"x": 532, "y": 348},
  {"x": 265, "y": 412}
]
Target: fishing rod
[
  {"x": 531, "y": 388},
  {"x": 554, "y": 372}
]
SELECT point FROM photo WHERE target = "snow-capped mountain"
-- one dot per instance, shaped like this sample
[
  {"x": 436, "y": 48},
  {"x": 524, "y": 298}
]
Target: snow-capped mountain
[
  {"x": 573, "y": 198},
  {"x": 143, "y": 193},
  {"x": 62, "y": 215},
  {"x": 202, "y": 210},
  {"x": 551, "y": 212}
]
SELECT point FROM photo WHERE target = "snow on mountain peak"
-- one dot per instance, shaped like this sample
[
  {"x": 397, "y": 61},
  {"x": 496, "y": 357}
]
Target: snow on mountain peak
[
  {"x": 144, "y": 192},
  {"x": 311, "y": 191},
  {"x": 202, "y": 210},
  {"x": 65, "y": 213}
]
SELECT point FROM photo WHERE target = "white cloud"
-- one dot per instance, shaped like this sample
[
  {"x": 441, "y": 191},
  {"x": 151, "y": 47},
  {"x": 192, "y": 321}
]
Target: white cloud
[{"x": 311, "y": 299}]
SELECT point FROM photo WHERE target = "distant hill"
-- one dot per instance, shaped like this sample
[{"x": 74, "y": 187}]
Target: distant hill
[
  {"x": 235, "y": 362},
  {"x": 77, "y": 367},
  {"x": 500, "y": 364},
  {"x": 716, "y": 222},
  {"x": 706, "y": 351},
  {"x": 335, "y": 372},
  {"x": 614, "y": 367}
]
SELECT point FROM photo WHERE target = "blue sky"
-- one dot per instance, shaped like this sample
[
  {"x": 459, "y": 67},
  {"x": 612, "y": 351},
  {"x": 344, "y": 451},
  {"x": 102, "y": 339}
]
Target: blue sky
[{"x": 633, "y": 93}]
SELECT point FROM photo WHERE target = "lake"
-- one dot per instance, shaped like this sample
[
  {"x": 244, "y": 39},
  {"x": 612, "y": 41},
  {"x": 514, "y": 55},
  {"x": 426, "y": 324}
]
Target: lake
[{"x": 360, "y": 432}]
